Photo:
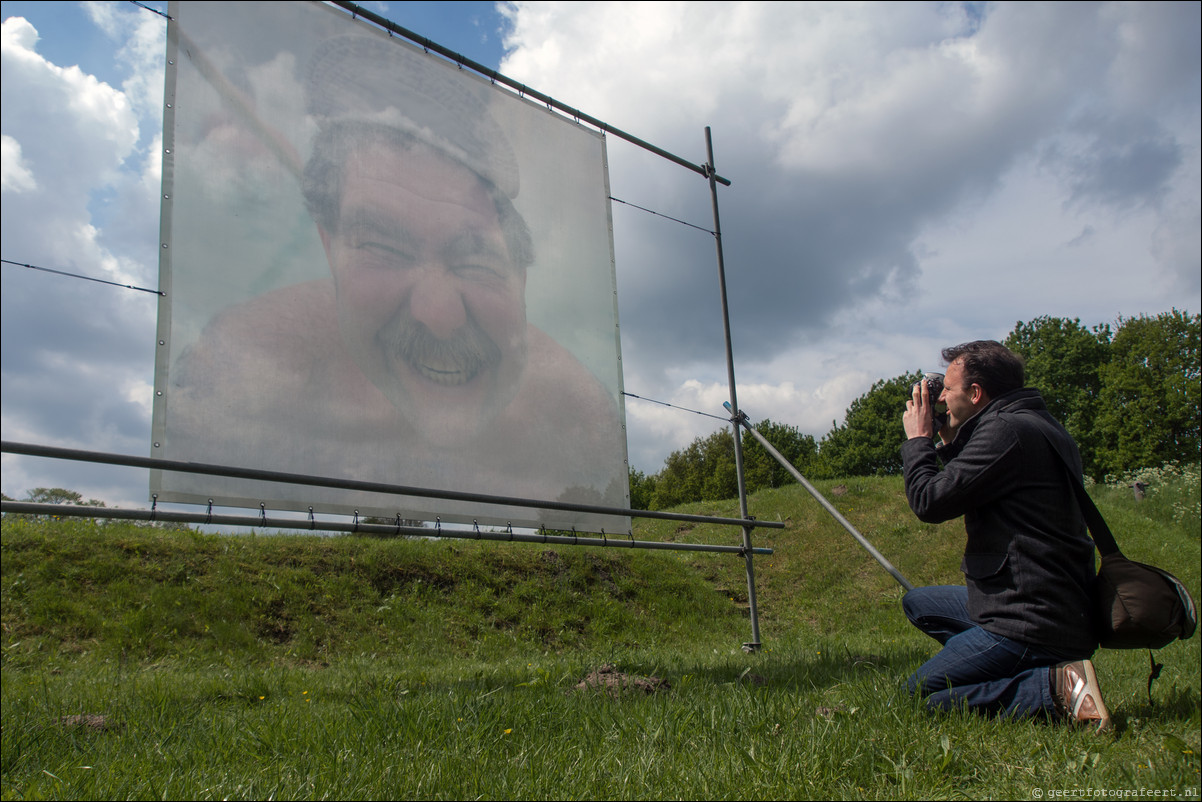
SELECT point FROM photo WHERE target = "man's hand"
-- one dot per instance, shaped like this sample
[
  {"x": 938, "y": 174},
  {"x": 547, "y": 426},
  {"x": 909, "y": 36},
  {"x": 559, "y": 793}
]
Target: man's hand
[
  {"x": 947, "y": 432},
  {"x": 918, "y": 419}
]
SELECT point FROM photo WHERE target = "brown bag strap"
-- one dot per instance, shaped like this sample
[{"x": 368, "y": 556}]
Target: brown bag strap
[{"x": 1102, "y": 537}]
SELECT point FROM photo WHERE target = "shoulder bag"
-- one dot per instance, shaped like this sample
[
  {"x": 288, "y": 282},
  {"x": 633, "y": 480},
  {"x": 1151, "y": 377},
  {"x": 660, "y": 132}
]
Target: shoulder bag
[{"x": 1136, "y": 606}]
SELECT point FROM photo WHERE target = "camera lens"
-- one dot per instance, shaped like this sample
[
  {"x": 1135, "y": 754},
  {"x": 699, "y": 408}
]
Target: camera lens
[
  {"x": 934, "y": 390},
  {"x": 934, "y": 384},
  {"x": 935, "y": 387}
]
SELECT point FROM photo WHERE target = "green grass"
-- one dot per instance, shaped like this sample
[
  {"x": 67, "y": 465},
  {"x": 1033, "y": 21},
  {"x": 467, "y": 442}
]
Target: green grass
[{"x": 257, "y": 667}]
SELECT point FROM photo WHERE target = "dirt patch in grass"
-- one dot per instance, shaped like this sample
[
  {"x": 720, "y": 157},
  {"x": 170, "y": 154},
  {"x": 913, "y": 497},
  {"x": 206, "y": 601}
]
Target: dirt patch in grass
[
  {"x": 88, "y": 721},
  {"x": 609, "y": 680}
]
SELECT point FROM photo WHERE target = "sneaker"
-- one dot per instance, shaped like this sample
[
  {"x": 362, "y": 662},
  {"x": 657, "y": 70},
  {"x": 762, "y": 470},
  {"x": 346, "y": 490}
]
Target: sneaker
[{"x": 1079, "y": 695}]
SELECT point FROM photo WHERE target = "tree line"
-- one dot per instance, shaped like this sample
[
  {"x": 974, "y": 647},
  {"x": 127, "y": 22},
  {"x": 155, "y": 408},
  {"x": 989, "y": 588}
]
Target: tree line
[{"x": 1129, "y": 396}]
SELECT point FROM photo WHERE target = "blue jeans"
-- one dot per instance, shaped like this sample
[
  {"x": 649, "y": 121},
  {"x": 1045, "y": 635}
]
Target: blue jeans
[{"x": 976, "y": 668}]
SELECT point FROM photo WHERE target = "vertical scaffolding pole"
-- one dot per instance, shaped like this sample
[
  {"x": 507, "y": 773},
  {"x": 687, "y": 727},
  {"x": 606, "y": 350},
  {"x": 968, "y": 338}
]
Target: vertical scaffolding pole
[{"x": 712, "y": 173}]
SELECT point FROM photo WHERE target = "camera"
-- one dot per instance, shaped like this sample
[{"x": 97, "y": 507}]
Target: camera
[{"x": 935, "y": 389}]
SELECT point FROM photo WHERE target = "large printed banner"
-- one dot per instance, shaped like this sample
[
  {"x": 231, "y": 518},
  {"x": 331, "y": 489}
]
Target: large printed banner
[{"x": 379, "y": 267}]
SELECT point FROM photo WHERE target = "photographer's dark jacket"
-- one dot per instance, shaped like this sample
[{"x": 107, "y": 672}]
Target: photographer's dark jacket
[{"x": 1029, "y": 561}]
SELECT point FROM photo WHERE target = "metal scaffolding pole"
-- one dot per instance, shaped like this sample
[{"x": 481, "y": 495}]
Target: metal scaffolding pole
[
  {"x": 711, "y": 173},
  {"x": 523, "y": 90},
  {"x": 153, "y": 463},
  {"x": 261, "y": 521},
  {"x": 826, "y": 505}
]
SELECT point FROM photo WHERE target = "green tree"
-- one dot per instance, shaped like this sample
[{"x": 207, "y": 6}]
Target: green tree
[
  {"x": 1064, "y": 361},
  {"x": 761, "y": 469},
  {"x": 55, "y": 495},
  {"x": 704, "y": 470},
  {"x": 1149, "y": 400},
  {"x": 869, "y": 441},
  {"x": 642, "y": 490},
  {"x": 59, "y": 495}
]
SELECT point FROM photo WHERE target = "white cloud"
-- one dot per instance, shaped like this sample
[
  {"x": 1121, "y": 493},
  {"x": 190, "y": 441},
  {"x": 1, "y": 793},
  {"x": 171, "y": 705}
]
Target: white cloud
[
  {"x": 15, "y": 175},
  {"x": 74, "y": 130},
  {"x": 70, "y": 345},
  {"x": 905, "y": 177}
]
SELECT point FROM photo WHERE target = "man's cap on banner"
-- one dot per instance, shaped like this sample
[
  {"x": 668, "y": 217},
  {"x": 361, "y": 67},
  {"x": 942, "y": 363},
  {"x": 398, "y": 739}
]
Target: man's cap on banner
[{"x": 384, "y": 82}]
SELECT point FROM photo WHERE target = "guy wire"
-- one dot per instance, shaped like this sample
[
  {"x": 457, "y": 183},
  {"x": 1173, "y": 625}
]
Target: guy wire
[
  {"x": 674, "y": 406},
  {"x": 660, "y": 214},
  {"x": 77, "y": 275}
]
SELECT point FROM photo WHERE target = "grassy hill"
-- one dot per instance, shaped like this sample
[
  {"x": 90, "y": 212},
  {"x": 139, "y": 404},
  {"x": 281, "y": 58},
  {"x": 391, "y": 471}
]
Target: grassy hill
[{"x": 145, "y": 662}]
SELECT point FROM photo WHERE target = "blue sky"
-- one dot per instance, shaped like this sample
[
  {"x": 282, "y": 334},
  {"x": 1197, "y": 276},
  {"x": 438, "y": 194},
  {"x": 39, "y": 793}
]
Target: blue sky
[{"x": 904, "y": 177}]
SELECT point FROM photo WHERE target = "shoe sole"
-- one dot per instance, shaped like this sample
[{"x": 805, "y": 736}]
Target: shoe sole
[{"x": 1093, "y": 689}]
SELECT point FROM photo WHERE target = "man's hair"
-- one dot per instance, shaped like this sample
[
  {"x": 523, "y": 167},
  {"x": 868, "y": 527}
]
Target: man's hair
[
  {"x": 988, "y": 363},
  {"x": 333, "y": 146}
]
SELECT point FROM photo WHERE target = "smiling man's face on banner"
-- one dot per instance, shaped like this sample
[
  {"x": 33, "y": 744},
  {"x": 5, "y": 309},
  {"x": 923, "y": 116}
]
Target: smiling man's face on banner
[
  {"x": 382, "y": 268},
  {"x": 431, "y": 303}
]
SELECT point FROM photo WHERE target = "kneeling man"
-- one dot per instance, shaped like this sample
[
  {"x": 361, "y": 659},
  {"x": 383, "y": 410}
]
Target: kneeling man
[{"x": 1018, "y": 638}]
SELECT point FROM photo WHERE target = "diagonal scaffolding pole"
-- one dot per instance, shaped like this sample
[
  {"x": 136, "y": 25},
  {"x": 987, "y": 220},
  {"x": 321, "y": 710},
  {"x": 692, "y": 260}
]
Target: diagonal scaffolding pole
[{"x": 741, "y": 418}]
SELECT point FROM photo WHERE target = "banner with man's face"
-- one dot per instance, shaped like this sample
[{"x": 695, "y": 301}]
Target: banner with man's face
[{"x": 379, "y": 267}]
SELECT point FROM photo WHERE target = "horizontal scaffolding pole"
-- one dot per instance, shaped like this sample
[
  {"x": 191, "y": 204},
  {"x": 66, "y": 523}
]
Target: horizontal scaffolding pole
[
  {"x": 77, "y": 455},
  {"x": 262, "y": 521},
  {"x": 359, "y": 11}
]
